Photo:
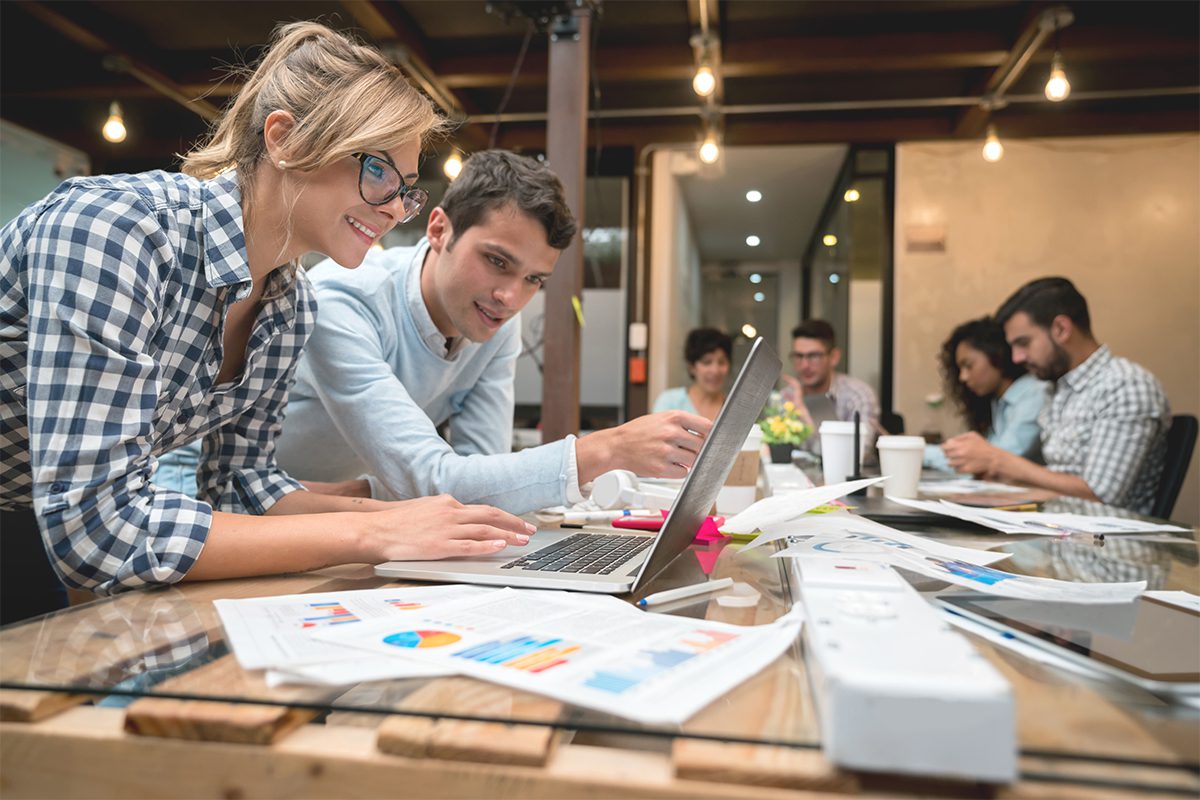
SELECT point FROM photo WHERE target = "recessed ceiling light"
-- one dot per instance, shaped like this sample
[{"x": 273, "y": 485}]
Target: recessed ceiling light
[
  {"x": 759, "y": 297},
  {"x": 754, "y": 195},
  {"x": 755, "y": 277},
  {"x": 829, "y": 240},
  {"x": 749, "y": 331},
  {"x": 834, "y": 277},
  {"x": 851, "y": 195},
  {"x": 753, "y": 240}
]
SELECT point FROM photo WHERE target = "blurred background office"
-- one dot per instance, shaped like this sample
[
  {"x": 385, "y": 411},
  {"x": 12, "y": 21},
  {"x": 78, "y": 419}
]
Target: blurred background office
[{"x": 895, "y": 168}]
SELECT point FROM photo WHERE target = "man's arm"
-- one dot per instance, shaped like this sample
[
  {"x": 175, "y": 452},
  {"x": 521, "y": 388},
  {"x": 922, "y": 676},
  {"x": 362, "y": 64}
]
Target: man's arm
[{"x": 970, "y": 452}]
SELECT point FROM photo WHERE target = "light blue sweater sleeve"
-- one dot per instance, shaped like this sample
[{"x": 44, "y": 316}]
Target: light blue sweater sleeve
[{"x": 397, "y": 441}]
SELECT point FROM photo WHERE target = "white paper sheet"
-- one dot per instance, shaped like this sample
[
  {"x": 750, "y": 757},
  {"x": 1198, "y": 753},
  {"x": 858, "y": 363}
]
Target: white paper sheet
[
  {"x": 1039, "y": 523},
  {"x": 582, "y": 650},
  {"x": 782, "y": 508},
  {"x": 955, "y": 486},
  {"x": 277, "y": 631},
  {"x": 993, "y": 581},
  {"x": 847, "y": 535}
]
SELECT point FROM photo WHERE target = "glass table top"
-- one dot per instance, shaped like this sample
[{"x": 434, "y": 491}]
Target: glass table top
[{"x": 169, "y": 643}]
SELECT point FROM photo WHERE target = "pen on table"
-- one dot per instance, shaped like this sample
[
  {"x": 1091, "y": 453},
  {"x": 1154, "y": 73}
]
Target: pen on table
[
  {"x": 685, "y": 591},
  {"x": 1022, "y": 507}
]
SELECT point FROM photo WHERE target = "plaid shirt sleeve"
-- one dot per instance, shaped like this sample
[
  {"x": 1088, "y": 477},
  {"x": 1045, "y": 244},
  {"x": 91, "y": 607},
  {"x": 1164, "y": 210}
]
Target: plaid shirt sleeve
[
  {"x": 238, "y": 472},
  {"x": 93, "y": 260},
  {"x": 1122, "y": 437}
]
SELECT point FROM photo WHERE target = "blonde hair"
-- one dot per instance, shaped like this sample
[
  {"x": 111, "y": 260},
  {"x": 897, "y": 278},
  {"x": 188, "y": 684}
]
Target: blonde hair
[{"x": 345, "y": 97}]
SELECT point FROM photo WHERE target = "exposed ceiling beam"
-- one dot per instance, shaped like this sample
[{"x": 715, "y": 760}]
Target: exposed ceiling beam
[
  {"x": 398, "y": 39},
  {"x": 1036, "y": 31},
  {"x": 121, "y": 60}
]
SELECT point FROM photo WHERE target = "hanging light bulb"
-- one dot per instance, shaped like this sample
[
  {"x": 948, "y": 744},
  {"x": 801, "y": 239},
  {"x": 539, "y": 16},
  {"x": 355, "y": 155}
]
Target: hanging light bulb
[
  {"x": 710, "y": 151},
  {"x": 704, "y": 82},
  {"x": 114, "y": 126},
  {"x": 1058, "y": 87},
  {"x": 453, "y": 165},
  {"x": 993, "y": 151}
]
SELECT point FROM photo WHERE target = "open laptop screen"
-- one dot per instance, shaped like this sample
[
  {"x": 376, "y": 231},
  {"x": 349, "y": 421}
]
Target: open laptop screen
[{"x": 746, "y": 399}]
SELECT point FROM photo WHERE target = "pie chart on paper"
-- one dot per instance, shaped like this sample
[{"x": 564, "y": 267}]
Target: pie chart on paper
[{"x": 421, "y": 639}]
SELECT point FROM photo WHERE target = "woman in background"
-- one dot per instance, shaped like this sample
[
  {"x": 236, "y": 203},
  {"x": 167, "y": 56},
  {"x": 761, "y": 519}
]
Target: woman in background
[
  {"x": 998, "y": 398},
  {"x": 709, "y": 353},
  {"x": 142, "y": 312}
]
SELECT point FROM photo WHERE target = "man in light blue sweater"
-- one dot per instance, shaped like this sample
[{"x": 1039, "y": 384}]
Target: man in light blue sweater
[{"x": 424, "y": 335}]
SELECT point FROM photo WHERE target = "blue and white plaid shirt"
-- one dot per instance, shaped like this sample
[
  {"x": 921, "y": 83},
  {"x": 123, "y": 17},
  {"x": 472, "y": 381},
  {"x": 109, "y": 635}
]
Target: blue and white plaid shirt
[
  {"x": 1107, "y": 422},
  {"x": 113, "y": 295}
]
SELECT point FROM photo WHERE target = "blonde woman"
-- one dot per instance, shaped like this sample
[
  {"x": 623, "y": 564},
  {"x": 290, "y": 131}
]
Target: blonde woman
[{"x": 140, "y": 312}]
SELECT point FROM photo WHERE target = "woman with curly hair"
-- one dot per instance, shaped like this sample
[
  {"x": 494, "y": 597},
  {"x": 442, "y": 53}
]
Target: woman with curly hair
[{"x": 998, "y": 398}]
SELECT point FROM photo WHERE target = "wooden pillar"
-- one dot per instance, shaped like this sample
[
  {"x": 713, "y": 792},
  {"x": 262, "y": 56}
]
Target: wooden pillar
[{"x": 566, "y": 145}]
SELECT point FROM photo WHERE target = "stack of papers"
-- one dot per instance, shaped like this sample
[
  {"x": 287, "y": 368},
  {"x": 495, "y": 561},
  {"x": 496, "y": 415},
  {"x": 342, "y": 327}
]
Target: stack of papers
[
  {"x": 588, "y": 650},
  {"x": 847, "y": 536},
  {"x": 1037, "y": 522}
]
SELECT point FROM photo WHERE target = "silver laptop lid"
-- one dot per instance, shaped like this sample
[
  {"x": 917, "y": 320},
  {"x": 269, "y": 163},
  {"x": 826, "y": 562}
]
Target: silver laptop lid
[{"x": 746, "y": 399}]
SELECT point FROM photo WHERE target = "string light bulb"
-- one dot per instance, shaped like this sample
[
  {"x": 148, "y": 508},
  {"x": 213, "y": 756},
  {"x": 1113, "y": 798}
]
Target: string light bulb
[
  {"x": 114, "y": 127},
  {"x": 710, "y": 151},
  {"x": 453, "y": 165},
  {"x": 993, "y": 151},
  {"x": 1058, "y": 88},
  {"x": 704, "y": 81}
]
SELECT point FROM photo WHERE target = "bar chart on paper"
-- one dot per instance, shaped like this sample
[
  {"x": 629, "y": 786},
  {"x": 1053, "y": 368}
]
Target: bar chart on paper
[
  {"x": 320, "y": 615},
  {"x": 650, "y": 662},
  {"x": 526, "y": 653}
]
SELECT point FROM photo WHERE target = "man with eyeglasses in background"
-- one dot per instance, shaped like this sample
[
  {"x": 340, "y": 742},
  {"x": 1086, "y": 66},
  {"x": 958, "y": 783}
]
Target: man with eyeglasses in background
[{"x": 815, "y": 357}]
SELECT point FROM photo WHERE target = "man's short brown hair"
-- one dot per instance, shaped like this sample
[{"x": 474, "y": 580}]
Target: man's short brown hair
[{"x": 494, "y": 179}]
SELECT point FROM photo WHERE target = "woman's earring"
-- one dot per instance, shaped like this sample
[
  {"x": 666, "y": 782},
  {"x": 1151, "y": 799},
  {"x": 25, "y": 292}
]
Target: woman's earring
[{"x": 282, "y": 164}]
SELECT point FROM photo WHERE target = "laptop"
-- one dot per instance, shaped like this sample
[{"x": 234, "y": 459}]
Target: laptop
[{"x": 618, "y": 561}]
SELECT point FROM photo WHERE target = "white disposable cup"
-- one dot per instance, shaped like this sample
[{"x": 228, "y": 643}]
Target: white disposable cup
[
  {"x": 754, "y": 440},
  {"x": 900, "y": 459},
  {"x": 837, "y": 449}
]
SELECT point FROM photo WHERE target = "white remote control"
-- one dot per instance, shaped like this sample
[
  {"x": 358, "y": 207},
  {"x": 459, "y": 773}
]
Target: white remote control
[{"x": 896, "y": 688}]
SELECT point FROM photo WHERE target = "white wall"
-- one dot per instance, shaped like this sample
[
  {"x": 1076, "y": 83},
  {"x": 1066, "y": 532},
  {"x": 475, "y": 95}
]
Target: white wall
[
  {"x": 674, "y": 274},
  {"x": 1119, "y": 216}
]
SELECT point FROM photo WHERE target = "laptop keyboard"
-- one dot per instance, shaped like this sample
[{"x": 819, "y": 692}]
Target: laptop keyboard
[{"x": 595, "y": 553}]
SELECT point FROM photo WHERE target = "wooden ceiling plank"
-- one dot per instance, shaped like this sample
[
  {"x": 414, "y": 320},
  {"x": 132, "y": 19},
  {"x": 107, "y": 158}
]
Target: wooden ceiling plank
[
  {"x": 399, "y": 38},
  {"x": 135, "y": 67}
]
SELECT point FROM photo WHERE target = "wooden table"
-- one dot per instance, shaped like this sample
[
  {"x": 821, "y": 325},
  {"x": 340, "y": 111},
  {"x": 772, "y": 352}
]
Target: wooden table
[{"x": 200, "y": 726}]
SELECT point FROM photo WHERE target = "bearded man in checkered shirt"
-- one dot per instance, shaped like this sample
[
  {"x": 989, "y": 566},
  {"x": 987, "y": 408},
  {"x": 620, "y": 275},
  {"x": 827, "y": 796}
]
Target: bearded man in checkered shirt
[{"x": 1104, "y": 428}]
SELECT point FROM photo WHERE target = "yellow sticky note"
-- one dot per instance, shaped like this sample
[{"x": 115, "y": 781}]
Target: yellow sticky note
[{"x": 578, "y": 306}]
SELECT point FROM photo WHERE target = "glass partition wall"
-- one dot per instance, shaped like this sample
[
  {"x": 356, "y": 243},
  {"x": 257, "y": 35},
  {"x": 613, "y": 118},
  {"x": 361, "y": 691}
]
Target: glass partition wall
[{"x": 847, "y": 270}]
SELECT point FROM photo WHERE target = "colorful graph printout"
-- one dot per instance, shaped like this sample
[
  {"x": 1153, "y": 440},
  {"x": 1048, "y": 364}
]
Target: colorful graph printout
[
  {"x": 650, "y": 662},
  {"x": 422, "y": 639},
  {"x": 325, "y": 614},
  {"x": 403, "y": 605},
  {"x": 528, "y": 654}
]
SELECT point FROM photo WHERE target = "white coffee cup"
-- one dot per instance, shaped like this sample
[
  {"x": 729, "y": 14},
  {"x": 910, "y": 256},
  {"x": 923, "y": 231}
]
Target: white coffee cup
[
  {"x": 900, "y": 459},
  {"x": 837, "y": 449}
]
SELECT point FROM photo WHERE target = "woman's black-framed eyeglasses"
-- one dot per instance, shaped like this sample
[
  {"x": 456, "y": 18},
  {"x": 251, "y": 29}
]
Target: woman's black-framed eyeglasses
[{"x": 379, "y": 182}]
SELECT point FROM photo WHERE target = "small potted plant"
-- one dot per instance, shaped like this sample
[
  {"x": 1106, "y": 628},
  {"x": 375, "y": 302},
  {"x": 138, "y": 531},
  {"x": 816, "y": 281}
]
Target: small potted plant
[{"x": 783, "y": 430}]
